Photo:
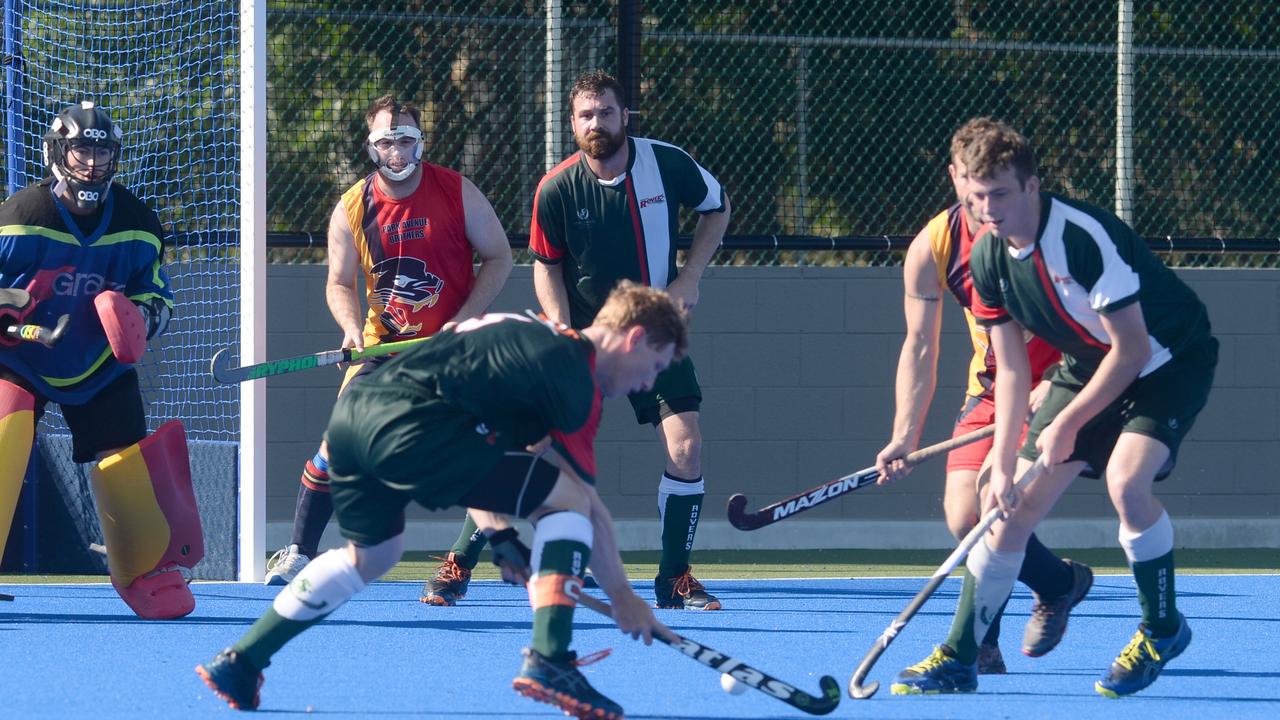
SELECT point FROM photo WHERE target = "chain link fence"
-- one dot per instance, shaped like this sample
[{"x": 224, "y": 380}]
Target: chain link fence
[{"x": 823, "y": 120}]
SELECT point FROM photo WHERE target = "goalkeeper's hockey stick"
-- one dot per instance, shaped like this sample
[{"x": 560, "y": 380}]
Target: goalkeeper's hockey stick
[
  {"x": 47, "y": 337},
  {"x": 227, "y": 375},
  {"x": 742, "y": 672},
  {"x": 785, "y": 508},
  {"x": 857, "y": 690}
]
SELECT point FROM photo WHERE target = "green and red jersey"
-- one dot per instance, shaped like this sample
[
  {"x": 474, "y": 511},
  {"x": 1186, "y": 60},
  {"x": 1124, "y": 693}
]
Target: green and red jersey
[
  {"x": 602, "y": 232},
  {"x": 520, "y": 379},
  {"x": 1085, "y": 263}
]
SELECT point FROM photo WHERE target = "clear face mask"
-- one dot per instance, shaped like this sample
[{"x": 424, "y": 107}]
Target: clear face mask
[{"x": 406, "y": 140}]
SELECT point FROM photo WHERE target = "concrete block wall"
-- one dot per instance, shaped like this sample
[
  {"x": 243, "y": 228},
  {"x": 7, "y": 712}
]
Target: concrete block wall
[{"x": 797, "y": 368}]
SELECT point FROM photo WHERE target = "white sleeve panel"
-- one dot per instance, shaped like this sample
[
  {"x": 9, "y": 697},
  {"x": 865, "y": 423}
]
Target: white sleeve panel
[{"x": 1119, "y": 280}]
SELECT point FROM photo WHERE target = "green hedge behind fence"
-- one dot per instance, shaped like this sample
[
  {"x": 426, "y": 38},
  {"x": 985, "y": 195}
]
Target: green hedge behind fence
[{"x": 820, "y": 118}]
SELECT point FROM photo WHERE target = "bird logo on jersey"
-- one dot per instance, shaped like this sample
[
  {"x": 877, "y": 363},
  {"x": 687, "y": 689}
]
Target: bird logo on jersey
[{"x": 403, "y": 286}]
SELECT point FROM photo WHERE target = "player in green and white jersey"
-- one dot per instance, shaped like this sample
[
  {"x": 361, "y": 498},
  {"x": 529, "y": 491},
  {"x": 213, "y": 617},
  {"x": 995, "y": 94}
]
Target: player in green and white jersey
[
  {"x": 1138, "y": 364},
  {"x": 608, "y": 213}
]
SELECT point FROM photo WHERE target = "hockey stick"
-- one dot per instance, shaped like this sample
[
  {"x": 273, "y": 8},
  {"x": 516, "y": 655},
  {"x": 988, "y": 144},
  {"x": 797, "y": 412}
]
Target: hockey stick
[
  {"x": 227, "y": 375},
  {"x": 857, "y": 690},
  {"x": 742, "y": 672},
  {"x": 47, "y": 337},
  {"x": 770, "y": 514}
]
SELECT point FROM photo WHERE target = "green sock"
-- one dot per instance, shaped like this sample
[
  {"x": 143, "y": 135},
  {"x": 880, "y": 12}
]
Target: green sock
[
  {"x": 1156, "y": 594},
  {"x": 961, "y": 639},
  {"x": 470, "y": 542},
  {"x": 679, "y": 525},
  {"x": 268, "y": 635},
  {"x": 553, "y": 609}
]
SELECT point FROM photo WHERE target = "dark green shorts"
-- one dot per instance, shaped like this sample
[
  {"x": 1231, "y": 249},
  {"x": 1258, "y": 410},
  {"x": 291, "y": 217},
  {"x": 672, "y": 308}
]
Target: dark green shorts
[
  {"x": 388, "y": 448},
  {"x": 675, "y": 391},
  {"x": 1162, "y": 405}
]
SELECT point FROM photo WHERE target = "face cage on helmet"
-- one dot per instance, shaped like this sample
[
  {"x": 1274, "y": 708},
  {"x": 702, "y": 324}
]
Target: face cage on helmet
[
  {"x": 87, "y": 196},
  {"x": 393, "y": 134}
]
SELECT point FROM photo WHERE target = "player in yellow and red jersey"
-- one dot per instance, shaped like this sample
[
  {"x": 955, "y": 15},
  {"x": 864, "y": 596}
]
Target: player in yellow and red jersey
[{"x": 411, "y": 228}]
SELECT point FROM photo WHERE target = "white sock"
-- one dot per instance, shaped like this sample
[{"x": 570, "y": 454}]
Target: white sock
[
  {"x": 563, "y": 525},
  {"x": 669, "y": 486},
  {"x": 322, "y": 587},
  {"x": 994, "y": 573},
  {"x": 1156, "y": 541}
]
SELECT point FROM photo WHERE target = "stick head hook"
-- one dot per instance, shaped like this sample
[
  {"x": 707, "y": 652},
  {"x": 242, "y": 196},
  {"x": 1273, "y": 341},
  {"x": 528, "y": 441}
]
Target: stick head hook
[
  {"x": 858, "y": 691},
  {"x": 737, "y": 511}
]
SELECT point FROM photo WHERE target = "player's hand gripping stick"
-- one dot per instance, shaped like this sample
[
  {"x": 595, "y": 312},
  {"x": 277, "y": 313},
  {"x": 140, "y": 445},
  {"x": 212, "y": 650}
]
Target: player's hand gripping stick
[
  {"x": 225, "y": 374},
  {"x": 511, "y": 556}
]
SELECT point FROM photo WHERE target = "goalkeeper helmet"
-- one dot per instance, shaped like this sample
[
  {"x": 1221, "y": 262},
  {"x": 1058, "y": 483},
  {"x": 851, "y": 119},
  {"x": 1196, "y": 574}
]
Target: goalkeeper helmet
[{"x": 83, "y": 125}]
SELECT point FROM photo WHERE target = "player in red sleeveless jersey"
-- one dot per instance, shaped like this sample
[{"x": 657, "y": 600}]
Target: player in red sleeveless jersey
[{"x": 411, "y": 228}]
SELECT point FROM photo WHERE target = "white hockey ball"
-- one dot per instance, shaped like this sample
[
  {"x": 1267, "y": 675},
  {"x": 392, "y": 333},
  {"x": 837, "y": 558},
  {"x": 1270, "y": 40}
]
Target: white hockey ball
[{"x": 732, "y": 685}]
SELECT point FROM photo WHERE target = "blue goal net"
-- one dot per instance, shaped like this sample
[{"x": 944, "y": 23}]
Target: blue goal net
[{"x": 168, "y": 72}]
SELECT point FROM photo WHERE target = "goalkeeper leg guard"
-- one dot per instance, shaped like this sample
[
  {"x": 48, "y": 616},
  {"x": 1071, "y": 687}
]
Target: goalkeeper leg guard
[
  {"x": 149, "y": 518},
  {"x": 17, "y": 432}
]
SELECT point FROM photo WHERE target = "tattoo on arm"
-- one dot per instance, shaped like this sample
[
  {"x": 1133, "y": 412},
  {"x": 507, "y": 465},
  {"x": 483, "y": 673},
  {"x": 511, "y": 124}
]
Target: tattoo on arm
[{"x": 926, "y": 298}]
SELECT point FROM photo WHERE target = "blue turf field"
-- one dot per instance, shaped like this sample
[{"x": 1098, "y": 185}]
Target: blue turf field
[{"x": 76, "y": 651}]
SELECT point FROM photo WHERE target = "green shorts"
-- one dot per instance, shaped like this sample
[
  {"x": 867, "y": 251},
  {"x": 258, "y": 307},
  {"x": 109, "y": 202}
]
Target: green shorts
[
  {"x": 1162, "y": 405},
  {"x": 675, "y": 391},
  {"x": 388, "y": 448}
]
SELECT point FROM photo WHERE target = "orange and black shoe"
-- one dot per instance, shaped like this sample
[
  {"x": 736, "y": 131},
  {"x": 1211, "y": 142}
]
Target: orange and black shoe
[
  {"x": 449, "y": 585},
  {"x": 559, "y": 683},
  {"x": 233, "y": 678},
  {"x": 683, "y": 592}
]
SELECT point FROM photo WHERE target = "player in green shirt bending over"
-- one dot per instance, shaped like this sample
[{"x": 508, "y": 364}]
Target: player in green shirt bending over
[
  {"x": 499, "y": 415},
  {"x": 1138, "y": 362}
]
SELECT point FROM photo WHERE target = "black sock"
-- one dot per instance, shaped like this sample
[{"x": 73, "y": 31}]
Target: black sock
[
  {"x": 680, "y": 514},
  {"x": 1045, "y": 573},
  {"x": 310, "y": 518}
]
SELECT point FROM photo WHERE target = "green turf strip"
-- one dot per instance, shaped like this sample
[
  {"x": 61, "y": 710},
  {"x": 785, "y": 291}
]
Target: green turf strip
[{"x": 760, "y": 564}]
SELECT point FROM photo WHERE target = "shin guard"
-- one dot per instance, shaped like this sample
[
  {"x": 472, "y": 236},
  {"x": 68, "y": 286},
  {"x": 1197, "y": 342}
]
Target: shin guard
[
  {"x": 17, "y": 432},
  {"x": 147, "y": 508}
]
